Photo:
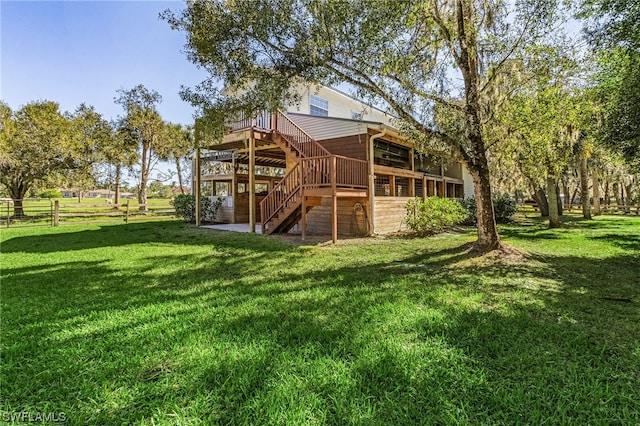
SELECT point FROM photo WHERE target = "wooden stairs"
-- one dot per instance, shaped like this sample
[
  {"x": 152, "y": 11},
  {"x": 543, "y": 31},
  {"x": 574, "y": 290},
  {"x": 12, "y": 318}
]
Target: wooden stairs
[{"x": 317, "y": 173}]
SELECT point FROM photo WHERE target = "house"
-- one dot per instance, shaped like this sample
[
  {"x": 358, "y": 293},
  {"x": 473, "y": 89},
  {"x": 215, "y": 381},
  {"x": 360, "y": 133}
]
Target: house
[
  {"x": 180, "y": 190},
  {"x": 330, "y": 165}
]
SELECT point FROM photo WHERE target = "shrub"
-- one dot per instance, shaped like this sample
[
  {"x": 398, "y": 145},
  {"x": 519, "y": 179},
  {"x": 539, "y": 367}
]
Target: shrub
[
  {"x": 433, "y": 215},
  {"x": 185, "y": 205},
  {"x": 469, "y": 204},
  {"x": 50, "y": 193},
  {"x": 504, "y": 207}
]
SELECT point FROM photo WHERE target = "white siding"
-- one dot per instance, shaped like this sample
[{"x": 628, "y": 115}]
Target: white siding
[
  {"x": 468, "y": 183},
  {"x": 340, "y": 105},
  {"x": 321, "y": 128}
]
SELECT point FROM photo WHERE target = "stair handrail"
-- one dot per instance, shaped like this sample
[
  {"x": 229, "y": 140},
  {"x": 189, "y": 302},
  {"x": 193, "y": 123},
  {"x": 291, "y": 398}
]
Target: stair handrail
[
  {"x": 270, "y": 205},
  {"x": 299, "y": 139}
]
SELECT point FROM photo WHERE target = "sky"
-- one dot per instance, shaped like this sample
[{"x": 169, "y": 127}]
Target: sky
[{"x": 72, "y": 52}]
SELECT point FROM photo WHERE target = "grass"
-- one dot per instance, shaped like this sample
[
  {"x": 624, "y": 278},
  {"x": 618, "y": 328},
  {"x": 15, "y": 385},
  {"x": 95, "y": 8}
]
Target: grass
[{"x": 162, "y": 323}]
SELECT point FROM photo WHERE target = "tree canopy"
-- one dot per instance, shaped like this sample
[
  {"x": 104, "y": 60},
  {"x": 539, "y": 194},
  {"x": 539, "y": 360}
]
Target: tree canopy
[
  {"x": 35, "y": 141},
  {"x": 410, "y": 57}
]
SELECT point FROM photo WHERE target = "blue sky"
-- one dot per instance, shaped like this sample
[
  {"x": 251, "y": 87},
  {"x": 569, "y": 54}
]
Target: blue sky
[{"x": 83, "y": 51}]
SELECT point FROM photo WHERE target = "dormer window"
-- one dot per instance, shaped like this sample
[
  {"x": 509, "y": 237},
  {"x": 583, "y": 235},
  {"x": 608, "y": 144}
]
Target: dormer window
[{"x": 319, "y": 106}]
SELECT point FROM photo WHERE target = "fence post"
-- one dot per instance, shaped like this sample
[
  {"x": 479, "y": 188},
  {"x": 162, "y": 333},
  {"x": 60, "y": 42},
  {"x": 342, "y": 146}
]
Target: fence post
[
  {"x": 56, "y": 213},
  {"x": 8, "y": 217},
  {"x": 126, "y": 217}
]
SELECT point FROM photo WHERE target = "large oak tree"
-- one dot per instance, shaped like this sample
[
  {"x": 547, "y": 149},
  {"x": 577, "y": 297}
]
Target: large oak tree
[
  {"x": 35, "y": 142},
  {"x": 412, "y": 57}
]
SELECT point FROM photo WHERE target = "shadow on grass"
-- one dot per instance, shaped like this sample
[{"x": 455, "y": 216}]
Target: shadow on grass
[
  {"x": 171, "y": 232},
  {"x": 249, "y": 334}
]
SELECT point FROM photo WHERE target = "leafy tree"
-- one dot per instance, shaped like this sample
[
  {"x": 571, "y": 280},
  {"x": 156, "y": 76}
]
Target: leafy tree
[
  {"x": 613, "y": 28},
  {"x": 180, "y": 145},
  {"x": 541, "y": 128},
  {"x": 142, "y": 125},
  {"x": 401, "y": 55},
  {"x": 90, "y": 134},
  {"x": 121, "y": 151},
  {"x": 612, "y": 23},
  {"x": 35, "y": 142}
]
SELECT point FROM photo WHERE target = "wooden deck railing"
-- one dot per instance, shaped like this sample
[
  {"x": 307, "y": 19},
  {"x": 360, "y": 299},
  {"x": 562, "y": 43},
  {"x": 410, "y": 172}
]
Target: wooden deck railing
[
  {"x": 298, "y": 138},
  {"x": 330, "y": 170},
  {"x": 261, "y": 120},
  {"x": 284, "y": 194},
  {"x": 351, "y": 172}
]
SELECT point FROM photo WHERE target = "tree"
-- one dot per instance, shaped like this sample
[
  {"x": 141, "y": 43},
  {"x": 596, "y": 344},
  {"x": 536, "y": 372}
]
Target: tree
[
  {"x": 143, "y": 126},
  {"x": 35, "y": 142},
  {"x": 90, "y": 135},
  {"x": 120, "y": 151},
  {"x": 542, "y": 131},
  {"x": 613, "y": 29},
  {"x": 410, "y": 57},
  {"x": 180, "y": 145}
]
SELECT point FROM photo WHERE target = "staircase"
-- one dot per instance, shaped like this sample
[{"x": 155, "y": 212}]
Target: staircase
[{"x": 316, "y": 172}]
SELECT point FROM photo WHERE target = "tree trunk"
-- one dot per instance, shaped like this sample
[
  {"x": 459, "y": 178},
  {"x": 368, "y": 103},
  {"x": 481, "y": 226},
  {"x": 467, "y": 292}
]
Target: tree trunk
[
  {"x": 584, "y": 189},
  {"x": 616, "y": 194},
  {"x": 117, "y": 183},
  {"x": 554, "y": 217},
  {"x": 559, "y": 200},
  {"x": 488, "y": 238},
  {"x": 595, "y": 183},
  {"x": 17, "y": 193},
  {"x": 607, "y": 196},
  {"x": 142, "y": 195},
  {"x": 144, "y": 177},
  {"x": 18, "y": 208},
  {"x": 629, "y": 201},
  {"x": 566, "y": 191},
  {"x": 179, "y": 170},
  {"x": 573, "y": 195},
  {"x": 540, "y": 197}
]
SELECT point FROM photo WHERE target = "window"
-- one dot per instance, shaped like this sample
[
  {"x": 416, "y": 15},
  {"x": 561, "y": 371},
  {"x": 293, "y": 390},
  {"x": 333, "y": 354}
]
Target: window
[
  {"x": 319, "y": 106},
  {"x": 206, "y": 188},
  {"x": 222, "y": 189}
]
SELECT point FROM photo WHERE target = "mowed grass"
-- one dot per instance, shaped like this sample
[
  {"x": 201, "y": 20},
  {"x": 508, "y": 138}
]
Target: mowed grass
[{"x": 162, "y": 323}]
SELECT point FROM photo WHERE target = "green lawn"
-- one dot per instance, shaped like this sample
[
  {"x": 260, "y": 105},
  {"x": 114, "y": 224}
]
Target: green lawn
[{"x": 162, "y": 323}]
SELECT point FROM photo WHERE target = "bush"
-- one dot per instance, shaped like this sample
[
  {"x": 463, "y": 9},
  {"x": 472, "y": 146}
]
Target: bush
[
  {"x": 433, "y": 215},
  {"x": 50, "y": 193},
  {"x": 504, "y": 207},
  {"x": 469, "y": 204},
  {"x": 185, "y": 205}
]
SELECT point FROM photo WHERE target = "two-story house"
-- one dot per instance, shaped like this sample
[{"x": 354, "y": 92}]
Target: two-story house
[{"x": 330, "y": 165}]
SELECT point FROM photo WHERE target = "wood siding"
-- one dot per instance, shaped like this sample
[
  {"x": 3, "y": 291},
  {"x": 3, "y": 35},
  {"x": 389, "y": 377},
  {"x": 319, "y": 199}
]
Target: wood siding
[
  {"x": 351, "y": 221},
  {"x": 389, "y": 214},
  {"x": 242, "y": 207},
  {"x": 349, "y": 146}
]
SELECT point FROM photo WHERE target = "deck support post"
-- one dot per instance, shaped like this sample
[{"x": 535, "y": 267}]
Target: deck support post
[
  {"x": 252, "y": 181},
  {"x": 234, "y": 188},
  {"x": 304, "y": 217},
  {"x": 424, "y": 187},
  {"x": 334, "y": 204},
  {"x": 197, "y": 189}
]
